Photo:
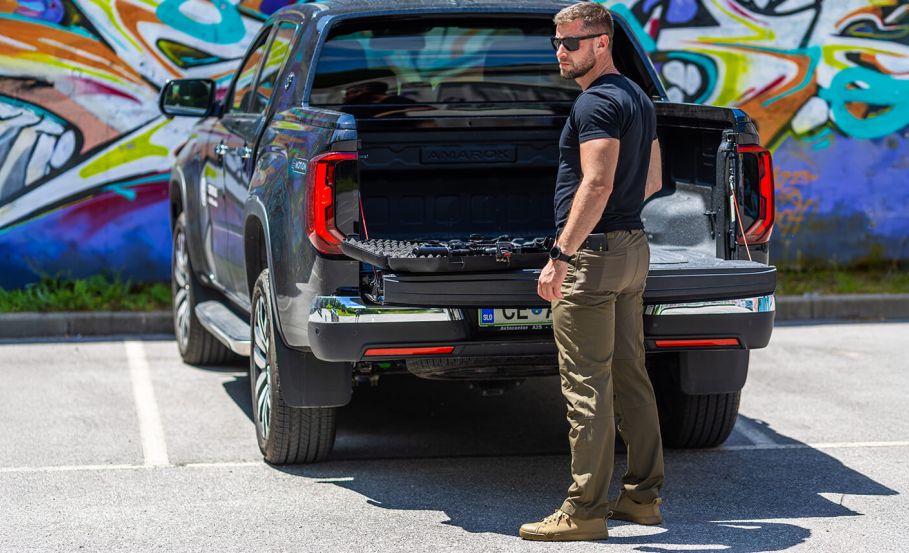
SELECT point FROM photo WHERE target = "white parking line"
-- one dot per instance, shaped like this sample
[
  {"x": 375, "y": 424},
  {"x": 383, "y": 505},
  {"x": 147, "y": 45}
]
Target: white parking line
[
  {"x": 90, "y": 468},
  {"x": 236, "y": 464},
  {"x": 154, "y": 448},
  {"x": 753, "y": 432},
  {"x": 74, "y": 468}
]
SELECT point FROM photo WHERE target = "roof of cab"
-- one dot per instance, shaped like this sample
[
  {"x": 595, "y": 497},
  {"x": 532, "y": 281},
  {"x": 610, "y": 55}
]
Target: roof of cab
[{"x": 374, "y": 7}]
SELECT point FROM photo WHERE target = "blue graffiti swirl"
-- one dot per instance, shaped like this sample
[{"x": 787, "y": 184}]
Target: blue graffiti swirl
[
  {"x": 881, "y": 90},
  {"x": 228, "y": 31}
]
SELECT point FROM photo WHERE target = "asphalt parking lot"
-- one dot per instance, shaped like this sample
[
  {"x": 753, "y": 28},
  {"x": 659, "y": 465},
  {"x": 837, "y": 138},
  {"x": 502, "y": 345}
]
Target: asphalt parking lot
[{"x": 118, "y": 446}]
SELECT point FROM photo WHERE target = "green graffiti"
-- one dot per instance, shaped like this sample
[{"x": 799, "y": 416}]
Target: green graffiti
[
  {"x": 138, "y": 147},
  {"x": 861, "y": 85}
]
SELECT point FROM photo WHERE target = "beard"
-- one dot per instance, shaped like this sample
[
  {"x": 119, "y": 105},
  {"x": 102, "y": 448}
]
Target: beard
[{"x": 578, "y": 69}]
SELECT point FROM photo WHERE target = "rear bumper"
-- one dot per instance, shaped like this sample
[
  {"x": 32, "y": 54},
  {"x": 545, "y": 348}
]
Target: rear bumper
[
  {"x": 343, "y": 328},
  {"x": 747, "y": 320}
]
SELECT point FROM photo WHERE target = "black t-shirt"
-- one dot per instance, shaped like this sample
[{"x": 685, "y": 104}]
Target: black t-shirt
[{"x": 612, "y": 107}]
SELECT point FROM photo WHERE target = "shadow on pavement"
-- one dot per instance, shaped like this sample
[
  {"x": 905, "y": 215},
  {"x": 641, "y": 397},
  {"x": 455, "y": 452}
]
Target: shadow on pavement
[
  {"x": 239, "y": 391},
  {"x": 492, "y": 463}
]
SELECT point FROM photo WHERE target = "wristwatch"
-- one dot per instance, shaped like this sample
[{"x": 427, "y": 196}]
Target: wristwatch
[{"x": 556, "y": 254}]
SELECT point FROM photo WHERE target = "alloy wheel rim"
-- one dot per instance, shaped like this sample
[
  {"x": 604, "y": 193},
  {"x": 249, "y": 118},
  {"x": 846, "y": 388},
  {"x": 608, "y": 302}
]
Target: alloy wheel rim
[
  {"x": 181, "y": 289},
  {"x": 261, "y": 368}
]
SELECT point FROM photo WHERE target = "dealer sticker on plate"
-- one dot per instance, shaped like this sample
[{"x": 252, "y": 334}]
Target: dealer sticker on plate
[{"x": 524, "y": 318}]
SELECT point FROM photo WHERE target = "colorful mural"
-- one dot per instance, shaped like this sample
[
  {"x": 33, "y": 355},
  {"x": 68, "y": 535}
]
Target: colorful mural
[
  {"x": 828, "y": 84},
  {"x": 84, "y": 153}
]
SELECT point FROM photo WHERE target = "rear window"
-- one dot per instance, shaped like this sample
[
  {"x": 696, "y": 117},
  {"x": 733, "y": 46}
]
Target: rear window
[{"x": 406, "y": 67}]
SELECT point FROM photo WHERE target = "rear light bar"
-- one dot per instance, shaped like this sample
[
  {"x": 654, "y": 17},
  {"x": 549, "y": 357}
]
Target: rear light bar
[
  {"x": 434, "y": 350},
  {"x": 699, "y": 343},
  {"x": 320, "y": 217},
  {"x": 760, "y": 229}
]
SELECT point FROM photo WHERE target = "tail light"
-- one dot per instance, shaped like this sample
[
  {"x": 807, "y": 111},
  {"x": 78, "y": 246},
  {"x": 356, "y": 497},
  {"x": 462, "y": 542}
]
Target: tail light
[
  {"x": 320, "y": 197},
  {"x": 699, "y": 343},
  {"x": 757, "y": 194}
]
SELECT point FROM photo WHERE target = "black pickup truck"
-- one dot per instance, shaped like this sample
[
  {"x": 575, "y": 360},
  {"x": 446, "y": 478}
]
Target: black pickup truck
[{"x": 373, "y": 196}]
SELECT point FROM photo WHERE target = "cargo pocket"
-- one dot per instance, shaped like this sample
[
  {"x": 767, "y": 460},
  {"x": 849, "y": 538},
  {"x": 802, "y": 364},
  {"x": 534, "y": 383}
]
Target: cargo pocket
[{"x": 604, "y": 271}]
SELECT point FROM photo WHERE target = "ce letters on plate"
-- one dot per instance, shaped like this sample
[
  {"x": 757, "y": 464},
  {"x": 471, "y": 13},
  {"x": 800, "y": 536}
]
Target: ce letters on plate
[{"x": 523, "y": 316}]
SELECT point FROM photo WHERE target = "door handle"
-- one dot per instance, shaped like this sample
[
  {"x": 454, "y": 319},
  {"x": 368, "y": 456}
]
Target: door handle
[
  {"x": 221, "y": 149},
  {"x": 245, "y": 152}
]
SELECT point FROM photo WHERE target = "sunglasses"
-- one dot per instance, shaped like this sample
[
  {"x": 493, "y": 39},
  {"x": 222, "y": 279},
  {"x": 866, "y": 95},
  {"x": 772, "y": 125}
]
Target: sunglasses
[{"x": 571, "y": 43}]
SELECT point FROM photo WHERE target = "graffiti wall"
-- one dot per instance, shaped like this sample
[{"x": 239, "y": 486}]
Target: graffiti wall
[
  {"x": 84, "y": 153},
  {"x": 828, "y": 84}
]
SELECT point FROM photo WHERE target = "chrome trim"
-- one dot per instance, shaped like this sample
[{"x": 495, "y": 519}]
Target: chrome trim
[
  {"x": 761, "y": 304},
  {"x": 352, "y": 310}
]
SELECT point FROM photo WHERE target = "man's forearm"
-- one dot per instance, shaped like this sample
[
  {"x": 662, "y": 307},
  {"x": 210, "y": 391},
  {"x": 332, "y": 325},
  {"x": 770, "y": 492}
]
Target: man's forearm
[{"x": 586, "y": 211}]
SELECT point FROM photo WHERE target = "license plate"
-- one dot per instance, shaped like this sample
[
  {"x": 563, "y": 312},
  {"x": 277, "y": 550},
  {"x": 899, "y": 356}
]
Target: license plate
[{"x": 524, "y": 318}]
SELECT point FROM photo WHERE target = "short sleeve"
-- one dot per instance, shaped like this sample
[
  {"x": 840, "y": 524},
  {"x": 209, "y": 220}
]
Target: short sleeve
[{"x": 597, "y": 117}]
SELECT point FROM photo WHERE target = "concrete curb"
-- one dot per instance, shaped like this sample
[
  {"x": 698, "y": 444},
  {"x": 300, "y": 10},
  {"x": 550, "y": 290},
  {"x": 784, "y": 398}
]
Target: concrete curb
[
  {"x": 810, "y": 307},
  {"x": 863, "y": 307},
  {"x": 98, "y": 323}
]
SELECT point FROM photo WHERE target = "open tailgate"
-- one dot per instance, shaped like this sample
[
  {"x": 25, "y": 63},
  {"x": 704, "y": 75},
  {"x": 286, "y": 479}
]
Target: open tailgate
[{"x": 677, "y": 275}]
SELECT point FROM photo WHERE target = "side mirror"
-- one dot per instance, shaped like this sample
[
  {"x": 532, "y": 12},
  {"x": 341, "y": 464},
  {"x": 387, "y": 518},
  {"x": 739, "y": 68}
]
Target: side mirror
[{"x": 187, "y": 97}]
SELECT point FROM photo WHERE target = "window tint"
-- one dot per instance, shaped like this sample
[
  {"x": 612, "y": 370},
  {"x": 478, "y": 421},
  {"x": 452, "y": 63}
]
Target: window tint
[
  {"x": 277, "y": 52},
  {"x": 436, "y": 64},
  {"x": 244, "y": 83}
]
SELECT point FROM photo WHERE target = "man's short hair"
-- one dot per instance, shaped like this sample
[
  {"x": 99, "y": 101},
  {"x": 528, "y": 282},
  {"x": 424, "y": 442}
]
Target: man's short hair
[{"x": 596, "y": 18}]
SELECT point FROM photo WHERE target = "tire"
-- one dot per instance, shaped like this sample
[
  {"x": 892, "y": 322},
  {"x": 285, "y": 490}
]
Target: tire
[
  {"x": 197, "y": 346},
  {"x": 286, "y": 435},
  {"x": 692, "y": 421}
]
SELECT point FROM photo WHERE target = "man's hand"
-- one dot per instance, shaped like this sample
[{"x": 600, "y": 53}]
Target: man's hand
[{"x": 549, "y": 287}]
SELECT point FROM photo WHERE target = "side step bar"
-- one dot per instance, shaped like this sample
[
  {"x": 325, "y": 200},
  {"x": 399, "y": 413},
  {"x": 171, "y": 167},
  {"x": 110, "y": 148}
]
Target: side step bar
[{"x": 225, "y": 325}]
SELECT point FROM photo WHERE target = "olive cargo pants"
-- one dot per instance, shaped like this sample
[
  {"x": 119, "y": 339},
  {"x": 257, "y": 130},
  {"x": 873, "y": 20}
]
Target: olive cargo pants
[{"x": 599, "y": 333}]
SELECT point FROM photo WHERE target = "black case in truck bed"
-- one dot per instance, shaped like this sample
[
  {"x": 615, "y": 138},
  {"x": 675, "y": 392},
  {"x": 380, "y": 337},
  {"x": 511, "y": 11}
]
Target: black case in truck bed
[
  {"x": 343, "y": 214},
  {"x": 449, "y": 256}
]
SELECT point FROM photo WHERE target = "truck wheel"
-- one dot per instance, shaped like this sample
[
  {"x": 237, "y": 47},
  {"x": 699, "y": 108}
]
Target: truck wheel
[
  {"x": 699, "y": 421},
  {"x": 196, "y": 345},
  {"x": 692, "y": 421},
  {"x": 286, "y": 435}
]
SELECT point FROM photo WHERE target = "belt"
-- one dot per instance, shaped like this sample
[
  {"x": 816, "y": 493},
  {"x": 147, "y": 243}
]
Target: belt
[{"x": 598, "y": 241}]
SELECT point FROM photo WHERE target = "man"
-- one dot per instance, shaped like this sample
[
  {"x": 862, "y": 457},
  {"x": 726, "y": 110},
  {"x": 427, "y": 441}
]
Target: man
[{"x": 609, "y": 164}]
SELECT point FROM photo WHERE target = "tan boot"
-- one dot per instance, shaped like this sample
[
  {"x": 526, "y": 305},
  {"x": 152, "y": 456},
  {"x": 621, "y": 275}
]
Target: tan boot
[
  {"x": 561, "y": 526},
  {"x": 624, "y": 508}
]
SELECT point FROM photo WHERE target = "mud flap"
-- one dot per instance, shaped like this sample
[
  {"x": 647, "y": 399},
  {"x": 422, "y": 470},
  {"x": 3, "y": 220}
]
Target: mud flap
[
  {"x": 307, "y": 381},
  {"x": 713, "y": 372}
]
